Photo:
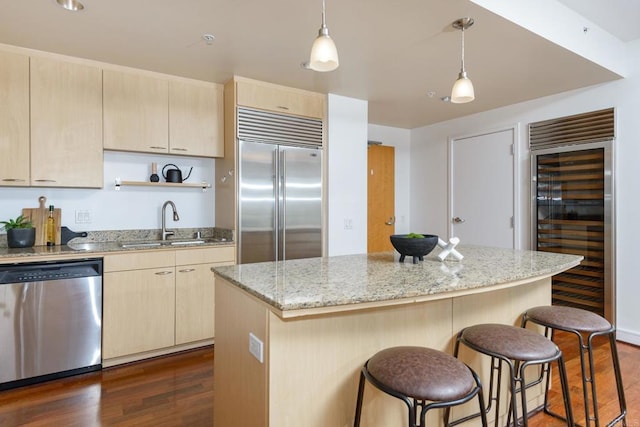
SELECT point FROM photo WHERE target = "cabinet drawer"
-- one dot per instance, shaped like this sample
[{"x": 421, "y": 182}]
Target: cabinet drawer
[
  {"x": 134, "y": 260},
  {"x": 206, "y": 255},
  {"x": 280, "y": 99}
]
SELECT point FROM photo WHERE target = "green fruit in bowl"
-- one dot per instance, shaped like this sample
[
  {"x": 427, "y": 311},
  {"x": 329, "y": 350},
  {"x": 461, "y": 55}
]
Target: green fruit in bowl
[{"x": 415, "y": 236}]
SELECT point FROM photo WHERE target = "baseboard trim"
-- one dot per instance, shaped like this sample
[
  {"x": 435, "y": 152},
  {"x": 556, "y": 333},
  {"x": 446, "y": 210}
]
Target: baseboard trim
[{"x": 627, "y": 336}]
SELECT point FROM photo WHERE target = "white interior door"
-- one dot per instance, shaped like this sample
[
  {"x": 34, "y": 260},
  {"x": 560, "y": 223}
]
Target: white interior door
[{"x": 481, "y": 189}]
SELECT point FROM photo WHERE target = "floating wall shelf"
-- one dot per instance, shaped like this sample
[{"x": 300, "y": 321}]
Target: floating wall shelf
[{"x": 119, "y": 183}]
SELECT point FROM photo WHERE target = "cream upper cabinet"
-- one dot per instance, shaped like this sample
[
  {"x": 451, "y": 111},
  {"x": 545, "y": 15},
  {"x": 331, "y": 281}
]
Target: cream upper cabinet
[
  {"x": 155, "y": 115},
  {"x": 66, "y": 124},
  {"x": 195, "y": 119},
  {"x": 136, "y": 111},
  {"x": 14, "y": 119},
  {"x": 267, "y": 96}
]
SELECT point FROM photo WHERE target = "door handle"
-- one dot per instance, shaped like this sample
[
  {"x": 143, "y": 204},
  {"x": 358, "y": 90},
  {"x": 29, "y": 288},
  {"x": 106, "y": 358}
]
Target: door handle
[
  {"x": 392, "y": 220},
  {"x": 458, "y": 220}
]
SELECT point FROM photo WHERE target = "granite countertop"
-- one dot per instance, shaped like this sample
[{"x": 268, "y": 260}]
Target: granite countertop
[
  {"x": 99, "y": 242},
  {"x": 352, "y": 279}
]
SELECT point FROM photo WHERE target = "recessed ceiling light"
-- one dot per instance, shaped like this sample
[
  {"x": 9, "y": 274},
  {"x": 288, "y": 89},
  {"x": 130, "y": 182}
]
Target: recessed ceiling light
[{"x": 72, "y": 5}]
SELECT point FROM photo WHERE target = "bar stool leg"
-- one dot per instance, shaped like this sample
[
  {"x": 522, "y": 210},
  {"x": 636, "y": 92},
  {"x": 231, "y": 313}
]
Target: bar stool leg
[
  {"x": 618, "y": 373},
  {"x": 356, "y": 421}
]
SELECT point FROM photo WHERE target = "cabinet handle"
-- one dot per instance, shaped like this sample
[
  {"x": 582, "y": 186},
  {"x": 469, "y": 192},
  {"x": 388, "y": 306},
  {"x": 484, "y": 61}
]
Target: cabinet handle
[
  {"x": 156, "y": 147},
  {"x": 179, "y": 149},
  {"x": 282, "y": 107},
  {"x": 13, "y": 180},
  {"x": 187, "y": 270},
  {"x": 45, "y": 180},
  {"x": 163, "y": 273}
]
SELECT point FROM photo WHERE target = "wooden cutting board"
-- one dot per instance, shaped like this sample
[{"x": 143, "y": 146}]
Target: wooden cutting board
[{"x": 38, "y": 217}]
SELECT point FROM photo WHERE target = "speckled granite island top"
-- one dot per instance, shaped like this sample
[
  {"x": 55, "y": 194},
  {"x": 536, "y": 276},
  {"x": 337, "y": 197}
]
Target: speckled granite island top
[{"x": 291, "y": 287}]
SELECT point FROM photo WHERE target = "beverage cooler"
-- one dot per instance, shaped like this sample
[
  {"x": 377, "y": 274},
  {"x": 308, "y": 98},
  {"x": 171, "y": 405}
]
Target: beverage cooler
[{"x": 572, "y": 189}]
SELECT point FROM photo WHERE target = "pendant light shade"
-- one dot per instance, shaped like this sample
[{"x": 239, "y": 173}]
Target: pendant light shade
[
  {"x": 324, "y": 55},
  {"x": 462, "y": 90}
]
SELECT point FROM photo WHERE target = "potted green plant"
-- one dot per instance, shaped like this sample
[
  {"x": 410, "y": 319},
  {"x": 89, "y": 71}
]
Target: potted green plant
[{"x": 20, "y": 232}]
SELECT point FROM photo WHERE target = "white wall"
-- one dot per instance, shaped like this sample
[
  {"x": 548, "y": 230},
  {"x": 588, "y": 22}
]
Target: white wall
[
  {"x": 401, "y": 140},
  {"x": 429, "y": 171},
  {"x": 129, "y": 208},
  {"x": 347, "y": 175}
]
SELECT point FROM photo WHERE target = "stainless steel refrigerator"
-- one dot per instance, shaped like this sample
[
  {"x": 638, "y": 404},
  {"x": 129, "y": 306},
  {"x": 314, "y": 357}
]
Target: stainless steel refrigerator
[{"x": 280, "y": 202}]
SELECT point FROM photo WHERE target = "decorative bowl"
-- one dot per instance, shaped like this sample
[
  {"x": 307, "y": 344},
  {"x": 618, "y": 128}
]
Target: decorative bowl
[{"x": 415, "y": 247}]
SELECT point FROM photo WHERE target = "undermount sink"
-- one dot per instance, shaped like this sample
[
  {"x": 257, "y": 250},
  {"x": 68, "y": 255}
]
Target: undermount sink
[{"x": 157, "y": 243}]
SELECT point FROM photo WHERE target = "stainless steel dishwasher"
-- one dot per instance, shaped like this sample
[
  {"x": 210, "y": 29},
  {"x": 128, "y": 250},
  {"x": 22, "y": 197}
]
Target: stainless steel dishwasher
[{"x": 50, "y": 320}]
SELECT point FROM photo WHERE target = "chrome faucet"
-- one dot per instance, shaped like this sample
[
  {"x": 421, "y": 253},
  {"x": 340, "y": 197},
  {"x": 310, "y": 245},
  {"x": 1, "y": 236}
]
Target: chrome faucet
[{"x": 166, "y": 232}]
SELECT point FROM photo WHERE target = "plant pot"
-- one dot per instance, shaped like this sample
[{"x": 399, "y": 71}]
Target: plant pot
[{"x": 21, "y": 237}]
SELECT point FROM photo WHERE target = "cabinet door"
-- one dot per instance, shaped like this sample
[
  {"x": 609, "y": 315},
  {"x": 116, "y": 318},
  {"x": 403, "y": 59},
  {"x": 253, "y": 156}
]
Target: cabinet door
[
  {"x": 14, "y": 119},
  {"x": 195, "y": 119},
  {"x": 280, "y": 99},
  {"x": 66, "y": 124},
  {"x": 195, "y": 299},
  {"x": 135, "y": 112},
  {"x": 139, "y": 311}
]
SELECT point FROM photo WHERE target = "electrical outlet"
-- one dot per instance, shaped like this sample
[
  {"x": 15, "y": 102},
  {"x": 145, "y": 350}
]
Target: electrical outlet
[
  {"x": 348, "y": 224},
  {"x": 256, "y": 347},
  {"x": 83, "y": 217}
]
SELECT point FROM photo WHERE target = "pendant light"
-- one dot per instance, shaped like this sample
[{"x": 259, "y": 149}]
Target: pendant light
[
  {"x": 324, "y": 55},
  {"x": 462, "y": 90}
]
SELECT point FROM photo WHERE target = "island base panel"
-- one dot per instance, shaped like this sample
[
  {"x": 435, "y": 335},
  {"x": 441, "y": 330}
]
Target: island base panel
[{"x": 311, "y": 364}]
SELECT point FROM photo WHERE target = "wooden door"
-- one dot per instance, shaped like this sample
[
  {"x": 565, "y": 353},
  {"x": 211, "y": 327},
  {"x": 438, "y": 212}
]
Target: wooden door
[
  {"x": 380, "y": 198},
  {"x": 482, "y": 192}
]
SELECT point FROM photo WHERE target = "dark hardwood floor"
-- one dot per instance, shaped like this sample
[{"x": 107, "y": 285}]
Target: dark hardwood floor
[
  {"x": 178, "y": 391},
  {"x": 168, "y": 391}
]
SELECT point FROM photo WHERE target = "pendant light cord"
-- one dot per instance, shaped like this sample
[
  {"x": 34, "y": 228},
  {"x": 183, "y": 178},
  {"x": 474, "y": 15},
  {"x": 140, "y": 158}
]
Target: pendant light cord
[
  {"x": 324, "y": 25},
  {"x": 462, "y": 48}
]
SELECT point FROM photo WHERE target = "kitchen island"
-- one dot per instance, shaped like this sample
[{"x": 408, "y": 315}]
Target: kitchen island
[{"x": 292, "y": 336}]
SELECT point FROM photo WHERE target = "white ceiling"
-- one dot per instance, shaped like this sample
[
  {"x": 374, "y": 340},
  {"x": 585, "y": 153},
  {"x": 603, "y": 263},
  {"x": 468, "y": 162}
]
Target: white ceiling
[
  {"x": 392, "y": 54},
  {"x": 618, "y": 17}
]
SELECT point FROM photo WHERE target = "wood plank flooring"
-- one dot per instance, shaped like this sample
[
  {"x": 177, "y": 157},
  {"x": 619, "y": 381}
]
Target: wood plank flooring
[
  {"x": 178, "y": 391},
  {"x": 168, "y": 391}
]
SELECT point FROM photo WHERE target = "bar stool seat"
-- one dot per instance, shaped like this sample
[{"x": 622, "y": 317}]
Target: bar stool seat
[
  {"x": 582, "y": 323},
  {"x": 517, "y": 348},
  {"x": 423, "y": 378}
]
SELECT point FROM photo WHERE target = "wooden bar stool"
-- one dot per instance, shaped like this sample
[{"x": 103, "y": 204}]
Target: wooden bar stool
[
  {"x": 582, "y": 323},
  {"x": 516, "y": 348},
  {"x": 423, "y": 379}
]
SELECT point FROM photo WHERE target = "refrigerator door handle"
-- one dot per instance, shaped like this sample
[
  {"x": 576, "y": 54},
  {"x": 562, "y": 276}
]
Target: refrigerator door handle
[
  {"x": 283, "y": 203},
  {"x": 276, "y": 197}
]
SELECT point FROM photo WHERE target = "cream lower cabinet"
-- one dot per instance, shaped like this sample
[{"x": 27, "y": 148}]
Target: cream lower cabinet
[
  {"x": 195, "y": 291},
  {"x": 158, "y": 302},
  {"x": 138, "y": 304}
]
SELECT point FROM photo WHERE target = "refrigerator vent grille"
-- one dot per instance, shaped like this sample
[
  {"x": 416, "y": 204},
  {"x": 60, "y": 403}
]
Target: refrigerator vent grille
[
  {"x": 595, "y": 126},
  {"x": 263, "y": 126}
]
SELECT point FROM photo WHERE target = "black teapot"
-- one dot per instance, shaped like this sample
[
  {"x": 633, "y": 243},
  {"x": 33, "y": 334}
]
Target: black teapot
[{"x": 174, "y": 174}]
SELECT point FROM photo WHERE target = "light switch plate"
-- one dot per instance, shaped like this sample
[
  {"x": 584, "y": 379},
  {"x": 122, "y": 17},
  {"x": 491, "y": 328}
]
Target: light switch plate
[{"x": 256, "y": 347}]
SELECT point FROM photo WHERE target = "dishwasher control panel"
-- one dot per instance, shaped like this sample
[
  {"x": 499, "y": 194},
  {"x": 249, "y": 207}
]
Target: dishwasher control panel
[{"x": 25, "y": 273}]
